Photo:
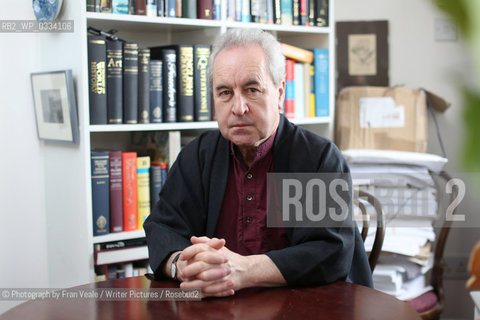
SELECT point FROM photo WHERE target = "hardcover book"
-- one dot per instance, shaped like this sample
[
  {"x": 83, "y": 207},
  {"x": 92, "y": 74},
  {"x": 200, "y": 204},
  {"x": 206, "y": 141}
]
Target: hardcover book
[
  {"x": 312, "y": 91},
  {"x": 217, "y": 9},
  {"x": 97, "y": 57},
  {"x": 120, "y": 6},
  {"x": 296, "y": 12},
  {"x": 130, "y": 82},
  {"x": 140, "y": 7},
  {"x": 116, "y": 192},
  {"x": 304, "y": 12},
  {"x": 114, "y": 81},
  {"x": 106, "y": 6},
  {"x": 129, "y": 175},
  {"x": 299, "y": 93},
  {"x": 169, "y": 77},
  {"x": 189, "y": 9},
  {"x": 171, "y": 8},
  {"x": 296, "y": 53},
  {"x": 100, "y": 192},
  {"x": 205, "y": 9},
  {"x": 155, "y": 183},
  {"x": 307, "y": 89},
  {"x": 277, "y": 11},
  {"x": 322, "y": 99},
  {"x": 143, "y": 190},
  {"x": 131, "y": 5},
  {"x": 144, "y": 85},
  {"x": 156, "y": 91},
  {"x": 246, "y": 16},
  {"x": 151, "y": 7},
  {"x": 286, "y": 7},
  {"x": 202, "y": 91},
  {"x": 93, "y": 6},
  {"x": 321, "y": 13},
  {"x": 160, "y": 8},
  {"x": 290, "y": 89}
]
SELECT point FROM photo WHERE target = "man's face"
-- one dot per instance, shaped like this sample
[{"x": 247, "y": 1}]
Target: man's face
[{"x": 247, "y": 103}]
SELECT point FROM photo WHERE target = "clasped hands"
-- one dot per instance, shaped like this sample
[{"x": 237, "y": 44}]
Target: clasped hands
[{"x": 207, "y": 264}]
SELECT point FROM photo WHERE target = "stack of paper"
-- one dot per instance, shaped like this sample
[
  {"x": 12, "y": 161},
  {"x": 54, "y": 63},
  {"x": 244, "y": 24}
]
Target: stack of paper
[{"x": 403, "y": 183}]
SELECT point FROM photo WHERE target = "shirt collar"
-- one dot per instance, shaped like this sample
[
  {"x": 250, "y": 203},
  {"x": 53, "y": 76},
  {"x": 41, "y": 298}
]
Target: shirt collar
[{"x": 262, "y": 149}]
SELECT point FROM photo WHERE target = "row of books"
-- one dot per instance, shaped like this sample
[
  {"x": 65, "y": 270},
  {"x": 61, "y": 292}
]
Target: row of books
[
  {"x": 286, "y": 12},
  {"x": 307, "y": 87},
  {"x": 124, "y": 189},
  {"x": 122, "y": 270},
  {"x": 128, "y": 84}
]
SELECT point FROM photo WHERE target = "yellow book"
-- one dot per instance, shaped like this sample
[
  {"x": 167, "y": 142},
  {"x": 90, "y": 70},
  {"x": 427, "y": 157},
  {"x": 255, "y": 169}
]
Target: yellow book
[{"x": 143, "y": 189}]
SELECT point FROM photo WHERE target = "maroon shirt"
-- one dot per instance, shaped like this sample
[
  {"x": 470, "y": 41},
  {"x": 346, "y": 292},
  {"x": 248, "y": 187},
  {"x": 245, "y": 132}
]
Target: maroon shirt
[{"x": 243, "y": 219}]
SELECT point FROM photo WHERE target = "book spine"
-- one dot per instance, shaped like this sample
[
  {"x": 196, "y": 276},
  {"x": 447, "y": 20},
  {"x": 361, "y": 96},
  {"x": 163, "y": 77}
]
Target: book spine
[
  {"x": 296, "y": 12},
  {"x": 156, "y": 91},
  {"x": 296, "y": 53},
  {"x": 164, "y": 167},
  {"x": 140, "y": 7},
  {"x": 151, "y": 8},
  {"x": 299, "y": 94},
  {"x": 179, "y": 8},
  {"x": 255, "y": 10},
  {"x": 203, "y": 104},
  {"x": 130, "y": 82},
  {"x": 106, "y": 6},
  {"x": 171, "y": 8},
  {"x": 246, "y": 17},
  {"x": 290, "y": 89},
  {"x": 114, "y": 81},
  {"x": 143, "y": 190},
  {"x": 100, "y": 192},
  {"x": 303, "y": 12},
  {"x": 91, "y": 6},
  {"x": 116, "y": 192},
  {"x": 129, "y": 175},
  {"x": 144, "y": 85},
  {"x": 238, "y": 10},
  {"x": 185, "y": 83},
  {"x": 205, "y": 9},
  {"x": 230, "y": 10},
  {"x": 312, "y": 90},
  {"x": 277, "y": 11},
  {"x": 131, "y": 5},
  {"x": 97, "y": 57},
  {"x": 189, "y": 9},
  {"x": 169, "y": 85},
  {"x": 311, "y": 12},
  {"x": 270, "y": 12},
  {"x": 322, "y": 101},
  {"x": 120, "y": 6},
  {"x": 286, "y": 7},
  {"x": 160, "y": 8},
  {"x": 306, "y": 89},
  {"x": 321, "y": 13},
  {"x": 155, "y": 183},
  {"x": 217, "y": 9}
]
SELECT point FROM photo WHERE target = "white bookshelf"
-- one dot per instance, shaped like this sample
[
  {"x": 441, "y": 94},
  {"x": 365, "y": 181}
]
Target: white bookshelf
[{"x": 68, "y": 197}]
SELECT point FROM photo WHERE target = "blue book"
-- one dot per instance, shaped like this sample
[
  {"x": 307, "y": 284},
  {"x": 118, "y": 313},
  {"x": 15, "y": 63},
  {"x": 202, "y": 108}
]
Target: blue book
[
  {"x": 100, "y": 162},
  {"x": 120, "y": 6},
  {"x": 321, "y": 82},
  {"x": 171, "y": 8},
  {"x": 246, "y": 11},
  {"x": 299, "y": 91}
]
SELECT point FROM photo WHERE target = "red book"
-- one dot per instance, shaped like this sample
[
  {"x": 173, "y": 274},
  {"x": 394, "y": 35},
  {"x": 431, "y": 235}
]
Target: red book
[
  {"x": 290, "y": 89},
  {"x": 116, "y": 193},
  {"x": 129, "y": 175},
  {"x": 140, "y": 7},
  {"x": 205, "y": 9}
]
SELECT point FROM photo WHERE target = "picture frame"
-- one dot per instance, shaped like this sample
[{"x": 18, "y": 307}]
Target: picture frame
[
  {"x": 55, "y": 106},
  {"x": 362, "y": 53}
]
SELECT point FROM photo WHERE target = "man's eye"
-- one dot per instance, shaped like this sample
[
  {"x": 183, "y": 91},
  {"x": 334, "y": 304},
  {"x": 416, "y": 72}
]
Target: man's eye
[
  {"x": 253, "y": 90},
  {"x": 224, "y": 93}
]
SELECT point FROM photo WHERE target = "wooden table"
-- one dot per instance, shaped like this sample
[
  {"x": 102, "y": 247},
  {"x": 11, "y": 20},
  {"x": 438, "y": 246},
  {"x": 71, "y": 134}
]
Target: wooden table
[{"x": 336, "y": 301}]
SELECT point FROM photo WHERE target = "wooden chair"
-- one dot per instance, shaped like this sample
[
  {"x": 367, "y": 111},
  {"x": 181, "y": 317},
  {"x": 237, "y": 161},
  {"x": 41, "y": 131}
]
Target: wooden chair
[
  {"x": 358, "y": 200},
  {"x": 430, "y": 304}
]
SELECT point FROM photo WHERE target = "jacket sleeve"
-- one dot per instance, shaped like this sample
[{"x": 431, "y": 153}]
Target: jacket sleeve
[{"x": 180, "y": 211}]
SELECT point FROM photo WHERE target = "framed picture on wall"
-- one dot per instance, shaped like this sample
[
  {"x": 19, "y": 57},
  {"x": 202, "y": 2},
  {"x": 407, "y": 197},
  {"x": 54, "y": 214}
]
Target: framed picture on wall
[
  {"x": 55, "y": 106},
  {"x": 362, "y": 53}
]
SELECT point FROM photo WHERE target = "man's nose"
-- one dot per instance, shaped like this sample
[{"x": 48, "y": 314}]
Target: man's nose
[{"x": 239, "y": 106}]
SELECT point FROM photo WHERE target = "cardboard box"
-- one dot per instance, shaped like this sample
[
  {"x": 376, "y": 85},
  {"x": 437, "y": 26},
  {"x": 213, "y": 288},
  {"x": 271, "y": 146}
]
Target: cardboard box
[{"x": 385, "y": 118}]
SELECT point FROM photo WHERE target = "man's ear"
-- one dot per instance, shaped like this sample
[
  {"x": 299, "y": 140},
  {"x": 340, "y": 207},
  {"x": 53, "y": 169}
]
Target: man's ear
[{"x": 281, "y": 94}]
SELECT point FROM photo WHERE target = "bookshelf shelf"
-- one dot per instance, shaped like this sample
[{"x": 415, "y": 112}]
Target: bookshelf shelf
[{"x": 119, "y": 236}]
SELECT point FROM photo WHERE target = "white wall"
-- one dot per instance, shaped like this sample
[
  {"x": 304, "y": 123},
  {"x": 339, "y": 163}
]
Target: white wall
[
  {"x": 417, "y": 60},
  {"x": 23, "y": 248}
]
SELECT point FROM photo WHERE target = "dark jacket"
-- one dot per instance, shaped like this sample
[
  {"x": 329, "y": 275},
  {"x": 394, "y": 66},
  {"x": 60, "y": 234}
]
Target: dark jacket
[{"x": 191, "y": 201}]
